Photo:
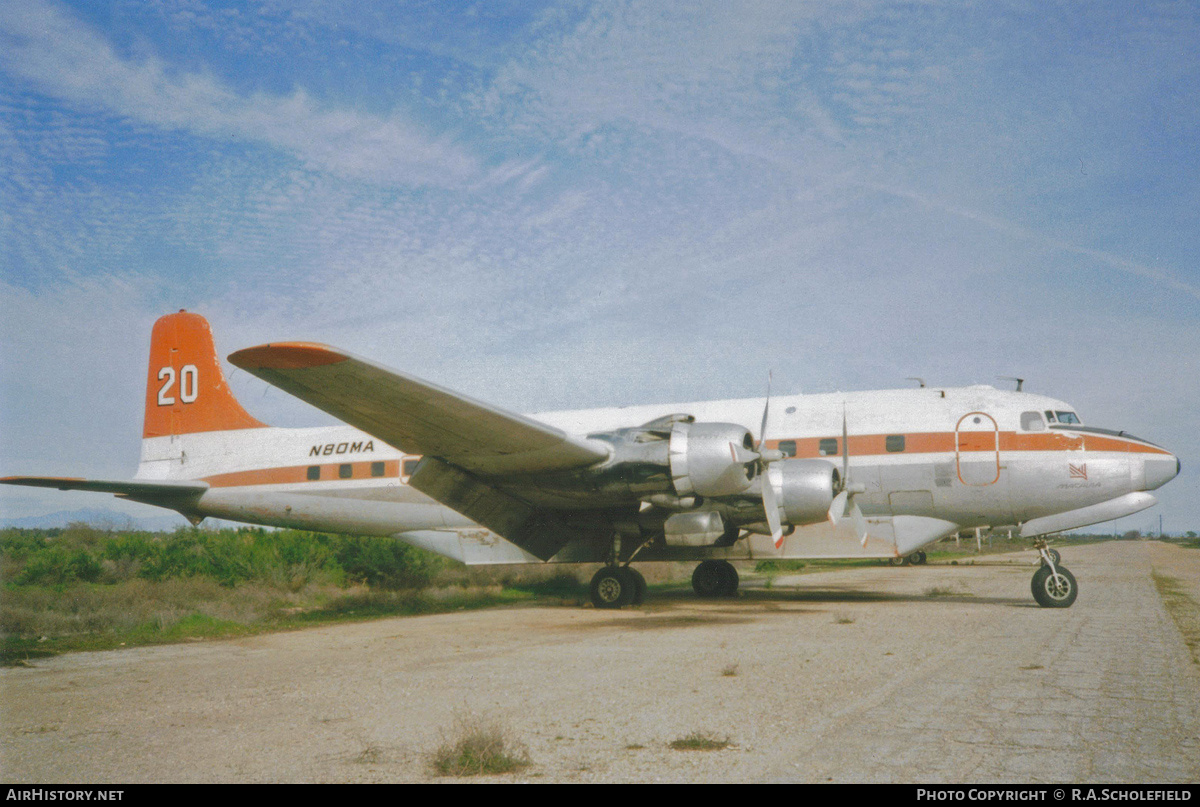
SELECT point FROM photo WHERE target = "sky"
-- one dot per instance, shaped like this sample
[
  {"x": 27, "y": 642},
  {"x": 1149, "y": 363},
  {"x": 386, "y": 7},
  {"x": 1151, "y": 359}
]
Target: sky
[{"x": 552, "y": 205}]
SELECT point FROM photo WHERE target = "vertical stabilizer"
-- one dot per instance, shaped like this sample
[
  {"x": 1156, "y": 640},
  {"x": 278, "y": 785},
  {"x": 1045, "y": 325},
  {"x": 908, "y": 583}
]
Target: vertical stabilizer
[{"x": 186, "y": 391}]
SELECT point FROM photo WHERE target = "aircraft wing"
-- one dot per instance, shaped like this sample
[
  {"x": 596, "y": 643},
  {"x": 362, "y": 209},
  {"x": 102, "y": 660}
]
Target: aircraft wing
[
  {"x": 151, "y": 492},
  {"x": 416, "y": 416}
]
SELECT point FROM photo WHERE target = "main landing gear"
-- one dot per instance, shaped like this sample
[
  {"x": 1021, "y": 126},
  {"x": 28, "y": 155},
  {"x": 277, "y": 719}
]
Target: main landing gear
[
  {"x": 1053, "y": 586},
  {"x": 915, "y": 559},
  {"x": 715, "y": 578},
  {"x": 618, "y": 586}
]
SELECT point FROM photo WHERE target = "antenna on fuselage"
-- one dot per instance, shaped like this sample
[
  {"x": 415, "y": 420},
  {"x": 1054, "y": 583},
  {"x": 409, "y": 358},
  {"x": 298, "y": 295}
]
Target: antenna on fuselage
[
  {"x": 1020, "y": 381},
  {"x": 920, "y": 381}
]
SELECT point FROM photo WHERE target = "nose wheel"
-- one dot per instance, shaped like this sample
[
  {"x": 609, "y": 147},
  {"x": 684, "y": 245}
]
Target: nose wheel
[{"x": 1053, "y": 585}]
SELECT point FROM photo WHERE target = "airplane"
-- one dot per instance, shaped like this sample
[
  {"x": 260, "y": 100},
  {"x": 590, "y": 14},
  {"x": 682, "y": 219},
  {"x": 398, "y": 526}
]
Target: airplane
[{"x": 878, "y": 474}]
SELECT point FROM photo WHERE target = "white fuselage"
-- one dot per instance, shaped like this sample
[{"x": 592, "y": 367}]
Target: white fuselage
[{"x": 931, "y": 462}]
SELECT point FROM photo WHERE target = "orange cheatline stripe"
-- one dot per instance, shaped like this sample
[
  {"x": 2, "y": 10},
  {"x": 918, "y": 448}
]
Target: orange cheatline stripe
[
  {"x": 861, "y": 446},
  {"x": 866, "y": 445},
  {"x": 286, "y": 356},
  {"x": 299, "y": 473}
]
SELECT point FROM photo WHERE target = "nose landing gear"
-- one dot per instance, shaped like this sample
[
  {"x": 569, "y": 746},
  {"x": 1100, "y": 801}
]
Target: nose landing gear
[{"x": 1053, "y": 586}]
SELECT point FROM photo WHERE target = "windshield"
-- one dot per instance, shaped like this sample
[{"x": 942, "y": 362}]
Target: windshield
[{"x": 1062, "y": 417}]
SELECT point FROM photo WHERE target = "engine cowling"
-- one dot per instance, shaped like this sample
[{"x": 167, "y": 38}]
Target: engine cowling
[
  {"x": 805, "y": 489},
  {"x": 711, "y": 459}
]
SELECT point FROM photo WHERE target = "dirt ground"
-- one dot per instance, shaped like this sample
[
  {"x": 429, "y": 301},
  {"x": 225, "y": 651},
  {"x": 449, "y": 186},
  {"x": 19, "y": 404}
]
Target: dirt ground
[{"x": 934, "y": 674}]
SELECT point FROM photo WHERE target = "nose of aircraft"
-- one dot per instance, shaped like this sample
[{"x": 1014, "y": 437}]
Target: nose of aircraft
[{"x": 1161, "y": 471}]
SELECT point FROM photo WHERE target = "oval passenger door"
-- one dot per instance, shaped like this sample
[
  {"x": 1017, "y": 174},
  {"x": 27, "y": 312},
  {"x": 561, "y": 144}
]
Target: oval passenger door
[{"x": 977, "y": 449}]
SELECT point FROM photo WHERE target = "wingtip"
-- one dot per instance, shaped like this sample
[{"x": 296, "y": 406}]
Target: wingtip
[{"x": 286, "y": 356}]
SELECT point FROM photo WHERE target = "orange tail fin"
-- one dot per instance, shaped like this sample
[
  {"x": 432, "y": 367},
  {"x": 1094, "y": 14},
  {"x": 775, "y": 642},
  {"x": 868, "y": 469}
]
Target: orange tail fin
[{"x": 186, "y": 391}]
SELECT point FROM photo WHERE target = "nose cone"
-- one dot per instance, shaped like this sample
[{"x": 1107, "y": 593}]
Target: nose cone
[{"x": 1161, "y": 471}]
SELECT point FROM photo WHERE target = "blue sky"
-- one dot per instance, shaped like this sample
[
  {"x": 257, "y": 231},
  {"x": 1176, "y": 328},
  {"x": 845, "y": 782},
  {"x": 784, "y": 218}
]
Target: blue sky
[{"x": 562, "y": 205}]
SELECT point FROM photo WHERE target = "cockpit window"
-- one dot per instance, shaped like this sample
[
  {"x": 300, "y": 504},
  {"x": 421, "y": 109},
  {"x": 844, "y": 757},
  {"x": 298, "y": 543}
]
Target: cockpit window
[
  {"x": 1068, "y": 417},
  {"x": 1050, "y": 416},
  {"x": 1032, "y": 421}
]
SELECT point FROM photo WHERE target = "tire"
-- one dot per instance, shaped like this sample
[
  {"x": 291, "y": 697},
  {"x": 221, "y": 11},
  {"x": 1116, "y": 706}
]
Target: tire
[
  {"x": 612, "y": 587},
  {"x": 729, "y": 579},
  {"x": 898, "y": 561},
  {"x": 917, "y": 558},
  {"x": 708, "y": 579},
  {"x": 1054, "y": 556},
  {"x": 1052, "y": 592},
  {"x": 639, "y": 584}
]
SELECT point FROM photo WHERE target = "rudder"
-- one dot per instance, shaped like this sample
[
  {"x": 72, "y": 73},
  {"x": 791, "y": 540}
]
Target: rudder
[{"x": 186, "y": 391}]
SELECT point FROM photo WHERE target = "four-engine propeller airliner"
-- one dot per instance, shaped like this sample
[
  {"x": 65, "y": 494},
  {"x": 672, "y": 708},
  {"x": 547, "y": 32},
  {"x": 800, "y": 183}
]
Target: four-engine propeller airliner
[{"x": 863, "y": 474}]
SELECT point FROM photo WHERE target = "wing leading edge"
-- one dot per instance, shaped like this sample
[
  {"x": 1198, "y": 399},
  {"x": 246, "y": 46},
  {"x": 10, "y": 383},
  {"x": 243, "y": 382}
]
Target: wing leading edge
[{"x": 416, "y": 416}]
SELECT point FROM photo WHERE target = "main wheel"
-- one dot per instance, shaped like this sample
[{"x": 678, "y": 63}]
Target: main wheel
[
  {"x": 613, "y": 587},
  {"x": 709, "y": 578},
  {"x": 639, "y": 584},
  {"x": 729, "y": 579},
  {"x": 1054, "y": 590},
  {"x": 917, "y": 558},
  {"x": 898, "y": 561}
]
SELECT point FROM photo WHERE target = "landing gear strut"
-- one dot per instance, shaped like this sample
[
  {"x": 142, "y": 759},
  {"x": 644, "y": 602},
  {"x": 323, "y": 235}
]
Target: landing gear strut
[
  {"x": 715, "y": 578},
  {"x": 1053, "y": 586}
]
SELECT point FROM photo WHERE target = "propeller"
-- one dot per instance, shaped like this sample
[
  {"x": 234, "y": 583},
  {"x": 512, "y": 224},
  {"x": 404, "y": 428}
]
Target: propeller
[
  {"x": 765, "y": 457},
  {"x": 843, "y": 503}
]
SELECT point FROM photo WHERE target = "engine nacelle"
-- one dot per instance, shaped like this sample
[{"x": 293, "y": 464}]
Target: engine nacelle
[
  {"x": 805, "y": 489},
  {"x": 711, "y": 459},
  {"x": 701, "y": 528}
]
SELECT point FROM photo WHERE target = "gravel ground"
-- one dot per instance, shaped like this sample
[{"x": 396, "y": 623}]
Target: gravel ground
[{"x": 935, "y": 674}]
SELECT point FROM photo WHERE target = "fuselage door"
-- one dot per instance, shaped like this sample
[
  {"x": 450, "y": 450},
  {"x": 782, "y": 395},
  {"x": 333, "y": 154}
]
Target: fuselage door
[{"x": 977, "y": 449}]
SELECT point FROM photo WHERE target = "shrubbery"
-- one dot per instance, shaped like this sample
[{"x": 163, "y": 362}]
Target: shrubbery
[{"x": 283, "y": 558}]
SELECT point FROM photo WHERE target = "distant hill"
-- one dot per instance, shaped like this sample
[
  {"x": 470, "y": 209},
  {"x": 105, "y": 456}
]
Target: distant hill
[{"x": 105, "y": 520}]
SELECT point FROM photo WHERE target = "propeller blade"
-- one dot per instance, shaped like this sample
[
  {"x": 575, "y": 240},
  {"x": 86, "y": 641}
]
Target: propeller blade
[
  {"x": 742, "y": 455},
  {"x": 838, "y": 508},
  {"x": 860, "y": 522},
  {"x": 845, "y": 449},
  {"x": 771, "y": 506},
  {"x": 762, "y": 430}
]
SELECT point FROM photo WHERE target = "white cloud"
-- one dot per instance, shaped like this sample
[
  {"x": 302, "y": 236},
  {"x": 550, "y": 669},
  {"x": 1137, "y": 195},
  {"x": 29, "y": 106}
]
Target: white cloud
[{"x": 43, "y": 45}]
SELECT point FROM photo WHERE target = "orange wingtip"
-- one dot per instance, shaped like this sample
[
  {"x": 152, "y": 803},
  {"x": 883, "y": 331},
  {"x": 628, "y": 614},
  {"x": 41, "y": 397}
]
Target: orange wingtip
[{"x": 286, "y": 356}]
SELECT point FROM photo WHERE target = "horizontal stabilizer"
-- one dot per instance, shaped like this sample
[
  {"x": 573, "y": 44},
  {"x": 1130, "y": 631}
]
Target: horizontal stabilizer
[
  {"x": 165, "y": 493},
  {"x": 416, "y": 416}
]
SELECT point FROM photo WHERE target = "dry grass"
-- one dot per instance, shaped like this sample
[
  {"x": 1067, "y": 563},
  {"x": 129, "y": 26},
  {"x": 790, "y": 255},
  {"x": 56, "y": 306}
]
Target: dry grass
[
  {"x": 1183, "y": 610},
  {"x": 701, "y": 741},
  {"x": 479, "y": 748}
]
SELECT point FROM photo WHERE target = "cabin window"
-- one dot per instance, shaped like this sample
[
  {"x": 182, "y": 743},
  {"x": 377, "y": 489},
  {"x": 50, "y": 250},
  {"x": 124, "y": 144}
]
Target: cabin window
[
  {"x": 828, "y": 447},
  {"x": 1032, "y": 421},
  {"x": 345, "y": 471},
  {"x": 895, "y": 442},
  {"x": 314, "y": 472},
  {"x": 788, "y": 447},
  {"x": 410, "y": 466},
  {"x": 1067, "y": 417},
  {"x": 377, "y": 469}
]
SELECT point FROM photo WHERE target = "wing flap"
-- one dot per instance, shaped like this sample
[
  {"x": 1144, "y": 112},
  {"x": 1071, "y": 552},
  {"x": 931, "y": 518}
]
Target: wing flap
[
  {"x": 414, "y": 415},
  {"x": 542, "y": 533}
]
